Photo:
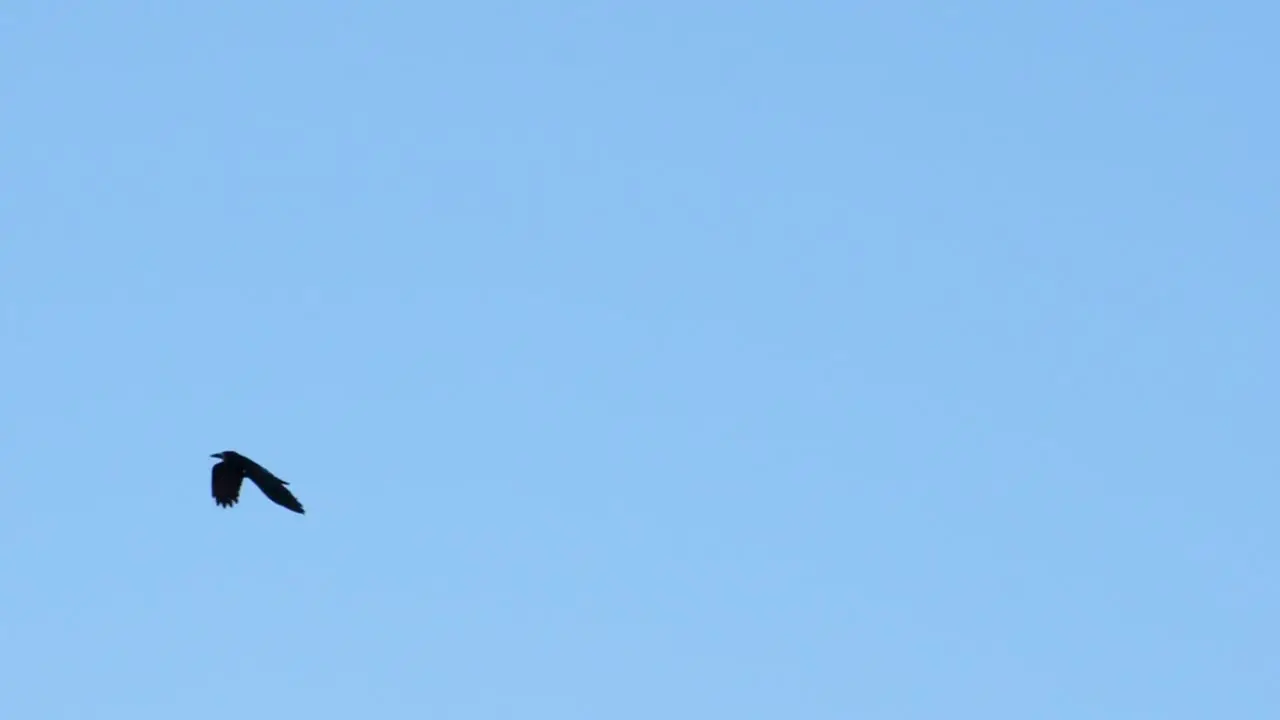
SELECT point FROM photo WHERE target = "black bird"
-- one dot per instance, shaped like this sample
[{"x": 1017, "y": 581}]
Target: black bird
[{"x": 234, "y": 468}]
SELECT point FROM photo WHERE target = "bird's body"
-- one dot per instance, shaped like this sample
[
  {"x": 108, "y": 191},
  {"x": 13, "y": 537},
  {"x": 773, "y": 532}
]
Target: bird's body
[{"x": 229, "y": 474}]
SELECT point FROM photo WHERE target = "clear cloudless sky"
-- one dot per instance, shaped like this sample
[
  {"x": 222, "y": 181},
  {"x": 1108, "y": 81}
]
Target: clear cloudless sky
[{"x": 640, "y": 361}]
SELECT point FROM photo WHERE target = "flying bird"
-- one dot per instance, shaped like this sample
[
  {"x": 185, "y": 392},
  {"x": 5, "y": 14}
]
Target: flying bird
[{"x": 234, "y": 468}]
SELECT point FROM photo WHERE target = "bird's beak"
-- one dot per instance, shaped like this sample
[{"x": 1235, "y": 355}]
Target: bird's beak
[{"x": 217, "y": 455}]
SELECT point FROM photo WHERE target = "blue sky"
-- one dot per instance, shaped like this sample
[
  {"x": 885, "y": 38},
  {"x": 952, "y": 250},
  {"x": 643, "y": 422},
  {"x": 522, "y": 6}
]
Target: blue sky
[{"x": 804, "y": 360}]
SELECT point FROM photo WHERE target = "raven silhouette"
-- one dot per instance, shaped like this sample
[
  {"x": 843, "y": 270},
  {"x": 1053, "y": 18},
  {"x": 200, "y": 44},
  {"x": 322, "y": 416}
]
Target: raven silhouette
[{"x": 234, "y": 468}]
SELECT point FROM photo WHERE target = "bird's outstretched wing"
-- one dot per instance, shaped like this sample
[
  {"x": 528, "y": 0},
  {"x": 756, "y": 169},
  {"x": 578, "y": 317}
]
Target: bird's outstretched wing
[
  {"x": 273, "y": 487},
  {"x": 226, "y": 484}
]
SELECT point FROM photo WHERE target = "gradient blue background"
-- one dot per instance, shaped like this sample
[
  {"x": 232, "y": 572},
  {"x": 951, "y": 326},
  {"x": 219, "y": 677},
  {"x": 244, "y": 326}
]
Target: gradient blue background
[{"x": 640, "y": 361}]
